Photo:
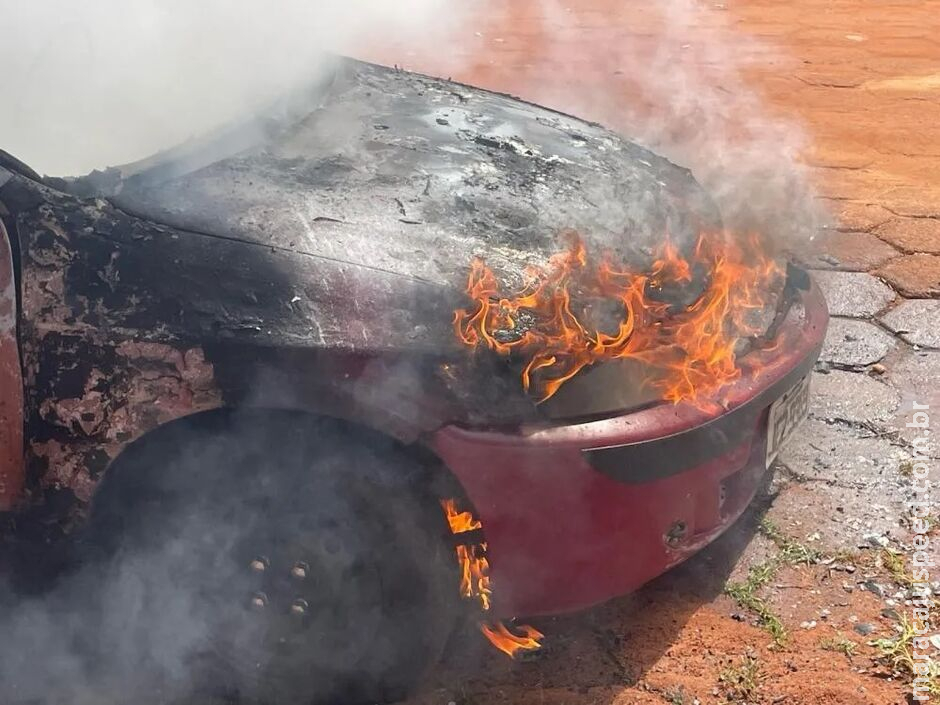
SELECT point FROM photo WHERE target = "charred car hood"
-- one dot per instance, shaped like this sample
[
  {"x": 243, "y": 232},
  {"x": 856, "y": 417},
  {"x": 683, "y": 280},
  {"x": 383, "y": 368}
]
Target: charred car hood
[
  {"x": 341, "y": 222},
  {"x": 413, "y": 176}
]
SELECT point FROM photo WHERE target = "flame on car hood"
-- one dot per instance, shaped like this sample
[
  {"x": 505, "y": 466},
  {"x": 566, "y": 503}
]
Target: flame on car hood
[{"x": 690, "y": 347}]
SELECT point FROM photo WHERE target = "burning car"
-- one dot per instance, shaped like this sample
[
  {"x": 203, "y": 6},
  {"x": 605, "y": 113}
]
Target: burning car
[{"x": 394, "y": 343}]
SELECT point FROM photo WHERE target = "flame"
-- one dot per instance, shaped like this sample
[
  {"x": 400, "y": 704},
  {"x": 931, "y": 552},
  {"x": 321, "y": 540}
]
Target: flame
[
  {"x": 474, "y": 573},
  {"x": 509, "y": 643},
  {"x": 474, "y": 568},
  {"x": 690, "y": 351},
  {"x": 459, "y": 522},
  {"x": 475, "y": 582}
]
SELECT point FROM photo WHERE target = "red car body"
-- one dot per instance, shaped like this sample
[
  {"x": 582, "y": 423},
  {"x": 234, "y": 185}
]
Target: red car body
[
  {"x": 100, "y": 346},
  {"x": 11, "y": 383},
  {"x": 563, "y": 533}
]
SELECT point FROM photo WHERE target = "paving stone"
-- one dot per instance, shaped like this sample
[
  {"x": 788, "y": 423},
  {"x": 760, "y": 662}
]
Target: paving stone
[
  {"x": 851, "y": 216},
  {"x": 855, "y": 343},
  {"x": 854, "y": 294},
  {"x": 917, "y": 201},
  {"x": 917, "y": 321},
  {"x": 912, "y": 234},
  {"x": 845, "y": 483},
  {"x": 836, "y": 156},
  {"x": 841, "y": 184},
  {"x": 853, "y": 252},
  {"x": 853, "y": 397},
  {"x": 917, "y": 276},
  {"x": 916, "y": 375}
]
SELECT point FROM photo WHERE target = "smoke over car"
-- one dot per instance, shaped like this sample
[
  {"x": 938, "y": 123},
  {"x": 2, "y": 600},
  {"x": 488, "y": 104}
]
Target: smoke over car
[{"x": 388, "y": 354}]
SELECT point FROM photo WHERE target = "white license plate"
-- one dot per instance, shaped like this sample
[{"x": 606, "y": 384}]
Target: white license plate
[{"x": 786, "y": 414}]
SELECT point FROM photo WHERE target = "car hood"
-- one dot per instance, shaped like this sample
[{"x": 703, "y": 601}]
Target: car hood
[
  {"x": 343, "y": 220},
  {"x": 395, "y": 171}
]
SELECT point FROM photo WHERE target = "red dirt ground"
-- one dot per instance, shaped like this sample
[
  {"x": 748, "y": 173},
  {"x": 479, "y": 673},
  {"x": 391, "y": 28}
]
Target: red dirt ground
[
  {"x": 672, "y": 641},
  {"x": 863, "y": 78}
]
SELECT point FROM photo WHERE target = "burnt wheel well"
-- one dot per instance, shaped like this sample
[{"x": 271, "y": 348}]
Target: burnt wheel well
[
  {"x": 435, "y": 480},
  {"x": 205, "y": 498}
]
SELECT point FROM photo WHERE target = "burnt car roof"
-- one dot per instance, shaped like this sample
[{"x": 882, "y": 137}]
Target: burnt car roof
[{"x": 412, "y": 175}]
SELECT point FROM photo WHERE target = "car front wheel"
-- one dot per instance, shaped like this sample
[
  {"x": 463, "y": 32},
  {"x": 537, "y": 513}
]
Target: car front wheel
[{"x": 279, "y": 557}]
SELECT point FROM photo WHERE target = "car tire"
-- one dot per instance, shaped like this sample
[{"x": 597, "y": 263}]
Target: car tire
[{"x": 309, "y": 558}]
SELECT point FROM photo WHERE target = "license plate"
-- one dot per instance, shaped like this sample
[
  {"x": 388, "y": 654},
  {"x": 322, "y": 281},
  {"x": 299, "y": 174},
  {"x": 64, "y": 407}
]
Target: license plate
[{"x": 785, "y": 416}]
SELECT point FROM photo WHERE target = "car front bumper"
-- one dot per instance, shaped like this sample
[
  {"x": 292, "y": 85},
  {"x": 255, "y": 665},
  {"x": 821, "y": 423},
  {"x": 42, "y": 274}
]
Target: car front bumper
[{"x": 576, "y": 514}]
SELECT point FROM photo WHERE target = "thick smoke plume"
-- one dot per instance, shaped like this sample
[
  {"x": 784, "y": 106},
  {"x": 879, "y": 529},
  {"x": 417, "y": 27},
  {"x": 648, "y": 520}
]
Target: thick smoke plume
[
  {"x": 675, "y": 78},
  {"x": 90, "y": 85}
]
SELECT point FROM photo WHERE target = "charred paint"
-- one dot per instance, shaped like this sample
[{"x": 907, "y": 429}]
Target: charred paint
[
  {"x": 95, "y": 381},
  {"x": 128, "y": 325},
  {"x": 86, "y": 414}
]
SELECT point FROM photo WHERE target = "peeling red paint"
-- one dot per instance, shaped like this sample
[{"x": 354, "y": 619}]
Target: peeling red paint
[
  {"x": 67, "y": 468},
  {"x": 85, "y": 415},
  {"x": 11, "y": 385},
  {"x": 157, "y": 384},
  {"x": 167, "y": 383},
  {"x": 94, "y": 386}
]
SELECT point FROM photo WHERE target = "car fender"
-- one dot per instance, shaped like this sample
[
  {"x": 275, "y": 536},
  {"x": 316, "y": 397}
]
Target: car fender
[{"x": 127, "y": 325}]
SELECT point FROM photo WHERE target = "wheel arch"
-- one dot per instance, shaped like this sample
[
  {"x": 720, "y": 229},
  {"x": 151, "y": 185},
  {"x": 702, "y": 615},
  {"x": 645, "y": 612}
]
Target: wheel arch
[{"x": 439, "y": 481}]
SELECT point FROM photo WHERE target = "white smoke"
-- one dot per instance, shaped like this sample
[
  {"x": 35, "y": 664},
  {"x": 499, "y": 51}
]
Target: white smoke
[
  {"x": 89, "y": 85},
  {"x": 92, "y": 84},
  {"x": 674, "y": 75}
]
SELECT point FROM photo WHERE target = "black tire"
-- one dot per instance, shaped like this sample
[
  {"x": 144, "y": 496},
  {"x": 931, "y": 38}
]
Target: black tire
[{"x": 311, "y": 557}]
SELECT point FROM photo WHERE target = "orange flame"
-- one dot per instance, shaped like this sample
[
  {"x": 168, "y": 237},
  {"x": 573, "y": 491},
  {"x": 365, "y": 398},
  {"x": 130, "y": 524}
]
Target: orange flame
[
  {"x": 474, "y": 568},
  {"x": 475, "y": 582},
  {"x": 689, "y": 351},
  {"x": 460, "y": 522},
  {"x": 474, "y": 573},
  {"x": 509, "y": 643}
]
